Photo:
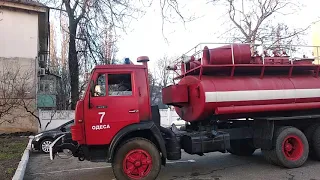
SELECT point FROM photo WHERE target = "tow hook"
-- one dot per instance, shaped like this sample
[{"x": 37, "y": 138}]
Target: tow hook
[
  {"x": 80, "y": 155},
  {"x": 81, "y": 158}
]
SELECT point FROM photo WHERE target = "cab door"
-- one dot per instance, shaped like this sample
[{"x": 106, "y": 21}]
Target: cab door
[{"x": 113, "y": 106}]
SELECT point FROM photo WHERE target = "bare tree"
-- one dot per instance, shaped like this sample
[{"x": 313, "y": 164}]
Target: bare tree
[
  {"x": 171, "y": 12},
  {"x": 58, "y": 68},
  {"x": 109, "y": 44},
  {"x": 255, "y": 21},
  {"x": 153, "y": 88},
  {"x": 159, "y": 78},
  {"x": 86, "y": 23},
  {"x": 52, "y": 46},
  {"x": 64, "y": 40},
  {"x": 161, "y": 73},
  {"x": 8, "y": 98},
  {"x": 90, "y": 23},
  {"x": 17, "y": 92}
]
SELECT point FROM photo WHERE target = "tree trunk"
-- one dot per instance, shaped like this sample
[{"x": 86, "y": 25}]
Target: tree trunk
[{"x": 73, "y": 65}]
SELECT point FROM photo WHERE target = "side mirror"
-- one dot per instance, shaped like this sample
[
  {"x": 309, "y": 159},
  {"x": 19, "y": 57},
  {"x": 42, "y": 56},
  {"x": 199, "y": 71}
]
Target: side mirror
[
  {"x": 92, "y": 87},
  {"x": 63, "y": 129}
]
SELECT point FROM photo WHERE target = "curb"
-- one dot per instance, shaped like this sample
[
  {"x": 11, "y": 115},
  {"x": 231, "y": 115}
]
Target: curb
[{"x": 19, "y": 174}]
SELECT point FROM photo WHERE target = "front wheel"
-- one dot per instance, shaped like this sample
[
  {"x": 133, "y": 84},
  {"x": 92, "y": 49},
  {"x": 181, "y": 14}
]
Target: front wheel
[
  {"x": 137, "y": 158},
  {"x": 44, "y": 145}
]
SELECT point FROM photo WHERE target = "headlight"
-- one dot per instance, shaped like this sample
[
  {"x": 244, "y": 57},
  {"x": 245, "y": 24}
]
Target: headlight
[{"x": 38, "y": 135}]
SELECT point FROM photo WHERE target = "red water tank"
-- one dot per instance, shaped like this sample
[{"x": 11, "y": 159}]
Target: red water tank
[
  {"x": 243, "y": 88},
  {"x": 223, "y": 55},
  {"x": 240, "y": 96}
]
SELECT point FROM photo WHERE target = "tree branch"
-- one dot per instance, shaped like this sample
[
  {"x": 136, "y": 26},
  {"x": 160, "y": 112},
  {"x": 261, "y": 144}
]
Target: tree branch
[
  {"x": 32, "y": 113},
  {"x": 58, "y": 9},
  {"x": 232, "y": 18},
  {"x": 83, "y": 11}
]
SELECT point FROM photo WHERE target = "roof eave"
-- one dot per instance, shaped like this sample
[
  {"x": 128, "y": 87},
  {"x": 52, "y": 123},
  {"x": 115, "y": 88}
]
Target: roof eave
[{"x": 41, "y": 9}]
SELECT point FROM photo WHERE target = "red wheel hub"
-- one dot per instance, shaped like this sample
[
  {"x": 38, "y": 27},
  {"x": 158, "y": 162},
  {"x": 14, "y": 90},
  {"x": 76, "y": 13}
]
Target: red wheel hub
[
  {"x": 137, "y": 164},
  {"x": 292, "y": 147}
]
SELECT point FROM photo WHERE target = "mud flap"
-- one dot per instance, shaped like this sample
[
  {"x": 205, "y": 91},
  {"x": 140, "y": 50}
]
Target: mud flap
[
  {"x": 54, "y": 149},
  {"x": 263, "y": 134}
]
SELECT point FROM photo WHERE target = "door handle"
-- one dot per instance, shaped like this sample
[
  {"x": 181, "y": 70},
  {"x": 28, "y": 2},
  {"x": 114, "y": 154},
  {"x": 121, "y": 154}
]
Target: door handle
[
  {"x": 101, "y": 107},
  {"x": 133, "y": 111}
]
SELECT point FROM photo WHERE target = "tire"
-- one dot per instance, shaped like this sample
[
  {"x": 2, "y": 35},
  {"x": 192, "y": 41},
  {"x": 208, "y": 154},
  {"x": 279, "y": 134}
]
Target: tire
[
  {"x": 290, "y": 148},
  {"x": 241, "y": 147},
  {"x": 309, "y": 132},
  {"x": 44, "y": 145},
  {"x": 132, "y": 155},
  {"x": 316, "y": 144}
]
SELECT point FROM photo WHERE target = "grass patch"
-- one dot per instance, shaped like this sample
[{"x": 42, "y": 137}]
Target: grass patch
[
  {"x": 11, "y": 151},
  {"x": 10, "y": 170}
]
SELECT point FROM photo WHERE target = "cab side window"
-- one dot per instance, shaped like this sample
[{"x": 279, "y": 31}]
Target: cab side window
[
  {"x": 100, "y": 87},
  {"x": 119, "y": 85}
]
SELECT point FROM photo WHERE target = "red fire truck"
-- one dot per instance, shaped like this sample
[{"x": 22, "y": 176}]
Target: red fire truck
[{"x": 277, "y": 96}]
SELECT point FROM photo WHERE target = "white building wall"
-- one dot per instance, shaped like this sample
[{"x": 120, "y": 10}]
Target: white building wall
[
  {"x": 18, "y": 51},
  {"x": 53, "y": 119},
  {"x": 18, "y": 34}
]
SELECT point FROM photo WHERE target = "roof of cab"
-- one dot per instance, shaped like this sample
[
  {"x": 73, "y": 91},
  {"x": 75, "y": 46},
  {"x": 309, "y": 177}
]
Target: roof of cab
[{"x": 119, "y": 66}]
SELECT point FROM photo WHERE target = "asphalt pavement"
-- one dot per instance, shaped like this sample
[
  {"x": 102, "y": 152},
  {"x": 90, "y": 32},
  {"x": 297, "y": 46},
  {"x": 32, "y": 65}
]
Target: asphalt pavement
[{"x": 214, "y": 166}]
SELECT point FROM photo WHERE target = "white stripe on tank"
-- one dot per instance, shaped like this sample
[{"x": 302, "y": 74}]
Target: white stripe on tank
[{"x": 256, "y": 95}]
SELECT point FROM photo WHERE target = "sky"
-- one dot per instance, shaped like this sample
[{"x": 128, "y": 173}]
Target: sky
[{"x": 145, "y": 37}]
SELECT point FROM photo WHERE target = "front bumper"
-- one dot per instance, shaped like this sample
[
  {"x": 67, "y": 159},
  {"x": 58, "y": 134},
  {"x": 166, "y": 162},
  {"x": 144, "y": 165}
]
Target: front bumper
[{"x": 35, "y": 143}]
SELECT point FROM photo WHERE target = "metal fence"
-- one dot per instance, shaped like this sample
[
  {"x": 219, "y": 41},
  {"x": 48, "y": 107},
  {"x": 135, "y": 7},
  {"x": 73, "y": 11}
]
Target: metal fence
[{"x": 294, "y": 51}]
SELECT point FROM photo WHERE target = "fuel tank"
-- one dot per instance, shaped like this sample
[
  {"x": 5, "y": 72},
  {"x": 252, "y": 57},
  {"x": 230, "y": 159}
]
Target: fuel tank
[{"x": 197, "y": 99}]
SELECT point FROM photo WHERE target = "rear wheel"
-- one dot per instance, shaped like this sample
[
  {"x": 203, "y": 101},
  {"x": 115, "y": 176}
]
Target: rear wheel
[
  {"x": 290, "y": 148},
  {"x": 137, "y": 158},
  {"x": 241, "y": 147}
]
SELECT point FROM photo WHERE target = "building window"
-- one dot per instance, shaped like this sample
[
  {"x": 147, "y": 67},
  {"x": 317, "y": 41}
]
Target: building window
[{"x": 47, "y": 87}]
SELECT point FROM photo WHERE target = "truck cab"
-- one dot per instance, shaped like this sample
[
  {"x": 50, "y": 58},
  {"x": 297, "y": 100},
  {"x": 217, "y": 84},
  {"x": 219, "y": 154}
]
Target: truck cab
[
  {"x": 106, "y": 113},
  {"x": 114, "y": 122}
]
